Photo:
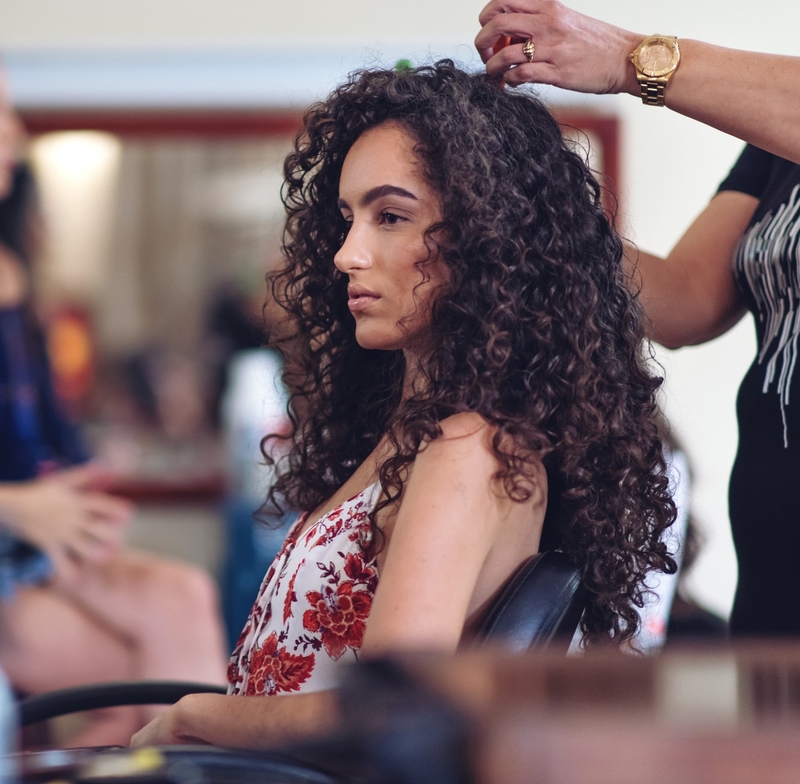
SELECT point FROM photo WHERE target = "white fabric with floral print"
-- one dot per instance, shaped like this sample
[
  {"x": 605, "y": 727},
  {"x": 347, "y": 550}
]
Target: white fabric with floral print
[{"x": 310, "y": 614}]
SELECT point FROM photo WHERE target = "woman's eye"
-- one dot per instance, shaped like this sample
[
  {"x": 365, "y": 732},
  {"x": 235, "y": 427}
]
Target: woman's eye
[{"x": 390, "y": 218}]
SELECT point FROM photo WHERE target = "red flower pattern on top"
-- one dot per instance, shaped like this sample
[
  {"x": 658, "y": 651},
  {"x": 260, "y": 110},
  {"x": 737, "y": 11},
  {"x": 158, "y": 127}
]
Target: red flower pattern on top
[
  {"x": 291, "y": 596},
  {"x": 311, "y": 611},
  {"x": 238, "y": 647},
  {"x": 273, "y": 669},
  {"x": 328, "y": 534},
  {"x": 339, "y": 616},
  {"x": 359, "y": 571}
]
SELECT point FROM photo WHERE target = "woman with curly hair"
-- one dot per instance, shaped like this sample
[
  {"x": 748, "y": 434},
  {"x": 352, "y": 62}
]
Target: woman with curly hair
[{"x": 468, "y": 389}]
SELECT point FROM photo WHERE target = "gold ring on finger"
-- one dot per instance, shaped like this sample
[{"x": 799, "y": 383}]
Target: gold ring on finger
[{"x": 528, "y": 49}]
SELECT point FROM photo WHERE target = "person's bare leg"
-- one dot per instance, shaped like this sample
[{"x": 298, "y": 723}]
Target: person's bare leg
[
  {"x": 168, "y": 610},
  {"x": 50, "y": 643},
  {"x": 138, "y": 617}
]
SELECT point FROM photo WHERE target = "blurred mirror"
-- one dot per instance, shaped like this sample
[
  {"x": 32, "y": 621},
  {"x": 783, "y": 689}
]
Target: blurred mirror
[{"x": 155, "y": 234}]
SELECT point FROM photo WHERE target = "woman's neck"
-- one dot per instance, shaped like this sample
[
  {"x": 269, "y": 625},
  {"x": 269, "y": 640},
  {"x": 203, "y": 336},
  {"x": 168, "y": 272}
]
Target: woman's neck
[{"x": 413, "y": 378}]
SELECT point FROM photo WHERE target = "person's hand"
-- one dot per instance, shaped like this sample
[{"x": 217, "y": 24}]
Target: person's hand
[
  {"x": 169, "y": 728},
  {"x": 161, "y": 731},
  {"x": 64, "y": 515},
  {"x": 572, "y": 51},
  {"x": 243, "y": 722}
]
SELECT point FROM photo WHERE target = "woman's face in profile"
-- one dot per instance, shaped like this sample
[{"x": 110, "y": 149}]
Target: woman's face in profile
[{"x": 388, "y": 206}]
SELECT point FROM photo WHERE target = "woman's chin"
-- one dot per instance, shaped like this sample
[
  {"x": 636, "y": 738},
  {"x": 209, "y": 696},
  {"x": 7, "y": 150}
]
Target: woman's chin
[{"x": 373, "y": 342}]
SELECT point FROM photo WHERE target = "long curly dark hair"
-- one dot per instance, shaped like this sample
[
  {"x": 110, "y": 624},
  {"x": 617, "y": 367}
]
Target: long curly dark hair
[{"x": 535, "y": 331}]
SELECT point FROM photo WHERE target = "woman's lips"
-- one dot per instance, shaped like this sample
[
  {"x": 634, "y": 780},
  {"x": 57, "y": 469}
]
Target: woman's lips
[
  {"x": 360, "y": 302},
  {"x": 360, "y": 297}
]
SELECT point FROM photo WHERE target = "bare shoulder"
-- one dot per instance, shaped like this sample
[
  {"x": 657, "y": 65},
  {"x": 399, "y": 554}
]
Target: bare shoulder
[
  {"x": 467, "y": 424},
  {"x": 466, "y": 449},
  {"x": 466, "y": 435},
  {"x": 468, "y": 430}
]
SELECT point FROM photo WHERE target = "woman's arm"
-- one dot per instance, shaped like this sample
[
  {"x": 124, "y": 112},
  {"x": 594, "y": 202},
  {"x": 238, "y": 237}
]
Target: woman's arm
[
  {"x": 691, "y": 296},
  {"x": 242, "y": 722},
  {"x": 750, "y": 95},
  {"x": 453, "y": 513}
]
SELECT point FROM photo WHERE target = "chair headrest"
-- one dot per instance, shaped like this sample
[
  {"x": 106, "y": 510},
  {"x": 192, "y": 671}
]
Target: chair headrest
[{"x": 540, "y": 605}]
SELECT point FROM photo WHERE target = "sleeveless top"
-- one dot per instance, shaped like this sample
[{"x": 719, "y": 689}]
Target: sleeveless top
[{"x": 310, "y": 614}]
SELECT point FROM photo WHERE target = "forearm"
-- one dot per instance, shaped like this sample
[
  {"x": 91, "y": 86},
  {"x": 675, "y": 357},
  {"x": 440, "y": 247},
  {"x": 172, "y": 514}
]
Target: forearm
[
  {"x": 750, "y": 95},
  {"x": 691, "y": 295},
  {"x": 753, "y": 96},
  {"x": 677, "y": 311},
  {"x": 243, "y": 722}
]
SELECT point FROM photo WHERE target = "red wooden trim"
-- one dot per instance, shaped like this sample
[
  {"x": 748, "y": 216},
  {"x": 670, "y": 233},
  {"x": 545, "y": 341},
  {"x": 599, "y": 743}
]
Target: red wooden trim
[
  {"x": 210, "y": 489},
  {"x": 127, "y": 123},
  {"x": 606, "y": 129}
]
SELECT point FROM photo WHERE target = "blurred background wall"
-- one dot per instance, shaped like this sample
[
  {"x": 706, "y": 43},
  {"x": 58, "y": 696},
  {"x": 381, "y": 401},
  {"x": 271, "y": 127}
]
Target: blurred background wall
[{"x": 242, "y": 54}]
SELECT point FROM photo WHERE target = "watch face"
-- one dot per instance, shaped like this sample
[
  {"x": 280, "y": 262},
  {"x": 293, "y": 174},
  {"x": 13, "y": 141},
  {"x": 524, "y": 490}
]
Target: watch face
[{"x": 657, "y": 59}]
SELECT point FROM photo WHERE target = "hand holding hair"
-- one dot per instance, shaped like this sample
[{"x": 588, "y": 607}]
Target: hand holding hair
[{"x": 572, "y": 51}]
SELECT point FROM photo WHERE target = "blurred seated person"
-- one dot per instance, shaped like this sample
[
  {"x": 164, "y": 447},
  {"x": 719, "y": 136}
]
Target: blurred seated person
[
  {"x": 76, "y": 606},
  {"x": 683, "y": 618},
  {"x": 249, "y": 402},
  {"x": 690, "y": 621},
  {"x": 657, "y": 608}
]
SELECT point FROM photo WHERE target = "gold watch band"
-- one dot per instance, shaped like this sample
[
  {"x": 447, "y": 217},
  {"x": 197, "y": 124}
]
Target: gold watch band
[{"x": 652, "y": 91}]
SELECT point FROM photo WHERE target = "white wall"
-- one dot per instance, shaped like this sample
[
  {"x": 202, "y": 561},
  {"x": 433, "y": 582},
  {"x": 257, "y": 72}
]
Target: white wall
[
  {"x": 671, "y": 166},
  {"x": 176, "y": 22}
]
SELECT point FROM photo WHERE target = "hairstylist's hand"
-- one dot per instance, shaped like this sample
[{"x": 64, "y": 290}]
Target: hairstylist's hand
[
  {"x": 572, "y": 51},
  {"x": 64, "y": 515}
]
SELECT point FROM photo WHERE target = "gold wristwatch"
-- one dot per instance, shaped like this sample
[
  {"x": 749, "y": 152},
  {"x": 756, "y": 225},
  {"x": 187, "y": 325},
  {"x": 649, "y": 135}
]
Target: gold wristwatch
[{"x": 655, "y": 60}]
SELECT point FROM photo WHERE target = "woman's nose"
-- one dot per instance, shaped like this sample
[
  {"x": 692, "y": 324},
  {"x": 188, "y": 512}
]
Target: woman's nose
[{"x": 355, "y": 252}]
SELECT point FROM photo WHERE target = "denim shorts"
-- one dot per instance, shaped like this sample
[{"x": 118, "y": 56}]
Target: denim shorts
[{"x": 20, "y": 564}]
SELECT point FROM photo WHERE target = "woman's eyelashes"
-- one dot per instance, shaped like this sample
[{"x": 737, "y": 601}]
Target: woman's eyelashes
[
  {"x": 389, "y": 218},
  {"x": 384, "y": 218}
]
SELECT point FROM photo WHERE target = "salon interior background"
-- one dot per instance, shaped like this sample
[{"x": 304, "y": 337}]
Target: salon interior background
[{"x": 251, "y": 53}]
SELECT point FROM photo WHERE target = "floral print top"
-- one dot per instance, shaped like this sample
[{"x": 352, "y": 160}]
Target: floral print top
[{"x": 311, "y": 611}]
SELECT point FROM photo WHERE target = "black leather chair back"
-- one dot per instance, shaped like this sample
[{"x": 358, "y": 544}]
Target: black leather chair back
[{"x": 540, "y": 605}]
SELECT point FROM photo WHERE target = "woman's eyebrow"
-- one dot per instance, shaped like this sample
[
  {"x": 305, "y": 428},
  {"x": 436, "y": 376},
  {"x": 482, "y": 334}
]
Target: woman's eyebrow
[{"x": 375, "y": 193}]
